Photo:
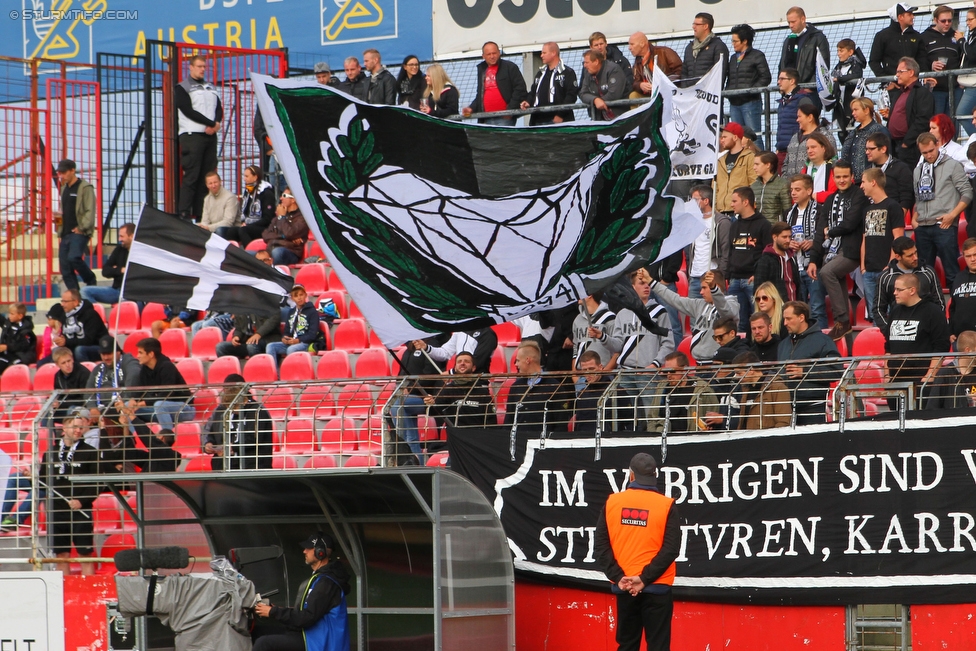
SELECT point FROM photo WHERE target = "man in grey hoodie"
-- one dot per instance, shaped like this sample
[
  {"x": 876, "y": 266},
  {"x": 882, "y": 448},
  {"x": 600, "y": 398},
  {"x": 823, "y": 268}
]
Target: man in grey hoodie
[
  {"x": 942, "y": 192},
  {"x": 704, "y": 311}
]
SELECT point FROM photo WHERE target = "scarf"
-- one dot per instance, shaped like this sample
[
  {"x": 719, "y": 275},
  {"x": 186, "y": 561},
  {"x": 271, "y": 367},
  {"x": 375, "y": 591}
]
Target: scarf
[
  {"x": 803, "y": 228},
  {"x": 100, "y": 380},
  {"x": 697, "y": 46},
  {"x": 925, "y": 187},
  {"x": 837, "y": 209},
  {"x": 65, "y": 455}
]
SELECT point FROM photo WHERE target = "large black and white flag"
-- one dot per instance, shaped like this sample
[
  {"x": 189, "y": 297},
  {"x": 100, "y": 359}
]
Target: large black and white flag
[
  {"x": 437, "y": 226},
  {"x": 178, "y": 263},
  {"x": 691, "y": 123}
]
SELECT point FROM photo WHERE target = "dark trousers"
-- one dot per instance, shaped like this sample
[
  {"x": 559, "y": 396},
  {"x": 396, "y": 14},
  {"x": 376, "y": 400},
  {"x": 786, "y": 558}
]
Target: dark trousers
[
  {"x": 243, "y": 234},
  {"x": 284, "y": 642},
  {"x": 198, "y": 155},
  {"x": 71, "y": 257},
  {"x": 648, "y": 612}
]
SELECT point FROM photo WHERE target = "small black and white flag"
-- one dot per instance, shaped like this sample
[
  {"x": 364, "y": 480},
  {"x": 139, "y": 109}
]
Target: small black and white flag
[{"x": 178, "y": 263}]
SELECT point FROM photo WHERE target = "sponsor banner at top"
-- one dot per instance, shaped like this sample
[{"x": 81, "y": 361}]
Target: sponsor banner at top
[
  {"x": 71, "y": 31},
  {"x": 462, "y": 26}
]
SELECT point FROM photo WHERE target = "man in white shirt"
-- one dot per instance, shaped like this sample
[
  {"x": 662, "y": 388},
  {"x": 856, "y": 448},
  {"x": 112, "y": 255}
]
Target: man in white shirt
[{"x": 710, "y": 250}]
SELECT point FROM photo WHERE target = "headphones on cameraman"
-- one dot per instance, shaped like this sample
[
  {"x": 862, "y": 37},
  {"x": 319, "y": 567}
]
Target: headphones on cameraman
[{"x": 321, "y": 550}]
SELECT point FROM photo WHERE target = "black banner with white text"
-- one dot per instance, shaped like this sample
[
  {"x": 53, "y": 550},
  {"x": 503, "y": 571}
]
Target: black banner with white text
[{"x": 778, "y": 516}]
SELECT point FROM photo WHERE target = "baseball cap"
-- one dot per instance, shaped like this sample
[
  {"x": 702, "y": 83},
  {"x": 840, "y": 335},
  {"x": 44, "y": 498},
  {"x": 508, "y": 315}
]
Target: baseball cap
[
  {"x": 314, "y": 539},
  {"x": 645, "y": 469},
  {"x": 296, "y": 287},
  {"x": 735, "y": 129},
  {"x": 749, "y": 133},
  {"x": 321, "y": 66},
  {"x": 724, "y": 355},
  {"x": 65, "y": 165},
  {"x": 107, "y": 345}
]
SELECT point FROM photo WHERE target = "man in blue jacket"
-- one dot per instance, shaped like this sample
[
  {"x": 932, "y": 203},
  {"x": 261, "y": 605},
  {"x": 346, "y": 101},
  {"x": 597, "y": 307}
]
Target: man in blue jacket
[
  {"x": 301, "y": 327},
  {"x": 318, "y": 621}
]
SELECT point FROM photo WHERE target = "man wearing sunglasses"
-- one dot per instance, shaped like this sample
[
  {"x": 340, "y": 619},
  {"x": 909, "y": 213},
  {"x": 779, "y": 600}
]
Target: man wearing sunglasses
[
  {"x": 942, "y": 52},
  {"x": 287, "y": 233}
]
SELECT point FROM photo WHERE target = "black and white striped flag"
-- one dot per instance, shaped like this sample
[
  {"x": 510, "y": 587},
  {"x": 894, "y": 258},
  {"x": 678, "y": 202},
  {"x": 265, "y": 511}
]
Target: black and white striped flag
[{"x": 178, "y": 263}]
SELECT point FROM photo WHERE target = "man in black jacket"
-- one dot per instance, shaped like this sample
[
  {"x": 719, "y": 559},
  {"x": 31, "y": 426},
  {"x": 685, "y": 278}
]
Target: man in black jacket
[
  {"x": 70, "y": 516},
  {"x": 916, "y": 326},
  {"x": 912, "y": 106},
  {"x": 537, "y": 400},
  {"x": 777, "y": 264},
  {"x": 83, "y": 326},
  {"x": 500, "y": 87},
  {"x": 899, "y": 184},
  {"x": 962, "y": 308},
  {"x": 117, "y": 370},
  {"x": 905, "y": 262},
  {"x": 113, "y": 268},
  {"x": 705, "y": 50},
  {"x": 800, "y": 48},
  {"x": 897, "y": 40},
  {"x": 765, "y": 342},
  {"x": 837, "y": 252},
  {"x": 18, "y": 344},
  {"x": 942, "y": 52},
  {"x": 382, "y": 84},
  {"x": 251, "y": 336},
  {"x": 168, "y": 405},
  {"x": 751, "y": 233},
  {"x": 464, "y": 400},
  {"x": 71, "y": 378},
  {"x": 356, "y": 82},
  {"x": 554, "y": 84},
  {"x": 318, "y": 621},
  {"x": 239, "y": 430}
]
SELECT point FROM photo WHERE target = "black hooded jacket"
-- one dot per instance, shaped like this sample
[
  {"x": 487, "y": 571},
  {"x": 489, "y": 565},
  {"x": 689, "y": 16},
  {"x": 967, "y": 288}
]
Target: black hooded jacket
[{"x": 325, "y": 595}]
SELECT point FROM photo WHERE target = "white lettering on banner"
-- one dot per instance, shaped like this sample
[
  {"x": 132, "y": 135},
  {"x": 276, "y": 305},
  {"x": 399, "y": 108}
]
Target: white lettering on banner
[
  {"x": 462, "y": 26},
  {"x": 928, "y": 534},
  {"x": 690, "y": 122},
  {"x": 861, "y": 482},
  {"x": 551, "y": 536},
  {"x": 614, "y": 486},
  {"x": 743, "y": 532},
  {"x": 563, "y": 488},
  {"x": 804, "y": 478}
]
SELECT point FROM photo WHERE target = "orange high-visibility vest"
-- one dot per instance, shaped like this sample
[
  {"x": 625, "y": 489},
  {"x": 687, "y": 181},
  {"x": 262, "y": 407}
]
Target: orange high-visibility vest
[{"x": 635, "y": 520}]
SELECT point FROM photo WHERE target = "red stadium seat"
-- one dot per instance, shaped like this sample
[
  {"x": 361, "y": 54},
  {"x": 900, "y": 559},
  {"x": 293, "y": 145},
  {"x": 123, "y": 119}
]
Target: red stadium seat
[
  {"x": 361, "y": 461},
  {"x": 340, "y": 436},
  {"x": 685, "y": 347},
  {"x": 124, "y": 318},
  {"x": 106, "y": 514},
  {"x": 10, "y": 442},
  {"x": 299, "y": 436},
  {"x": 498, "y": 364},
  {"x": 297, "y": 367},
  {"x": 256, "y": 245},
  {"x": 312, "y": 249},
  {"x": 438, "y": 460},
  {"x": 188, "y": 439},
  {"x": 350, "y": 335},
  {"x": 205, "y": 342},
  {"x": 321, "y": 461},
  {"x": 354, "y": 311},
  {"x": 205, "y": 402},
  {"x": 153, "y": 312},
  {"x": 355, "y": 401},
  {"x": 283, "y": 462},
  {"x": 221, "y": 367},
  {"x": 261, "y": 368},
  {"x": 334, "y": 282},
  {"x": 869, "y": 343},
  {"x": 373, "y": 362},
  {"x": 508, "y": 333},
  {"x": 132, "y": 341},
  {"x": 316, "y": 401},
  {"x": 113, "y": 545},
  {"x": 198, "y": 464},
  {"x": 682, "y": 285},
  {"x": 278, "y": 402},
  {"x": 333, "y": 365},
  {"x": 100, "y": 309},
  {"x": 23, "y": 412},
  {"x": 44, "y": 377},
  {"x": 174, "y": 343},
  {"x": 313, "y": 278},
  {"x": 191, "y": 369},
  {"x": 16, "y": 379}
]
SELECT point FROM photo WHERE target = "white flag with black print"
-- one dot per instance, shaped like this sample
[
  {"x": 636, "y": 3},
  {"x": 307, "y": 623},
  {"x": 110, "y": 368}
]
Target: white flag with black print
[
  {"x": 180, "y": 264},
  {"x": 690, "y": 125},
  {"x": 825, "y": 83}
]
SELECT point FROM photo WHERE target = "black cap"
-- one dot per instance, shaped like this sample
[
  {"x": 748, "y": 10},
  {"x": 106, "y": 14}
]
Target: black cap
[
  {"x": 903, "y": 8},
  {"x": 724, "y": 355},
  {"x": 65, "y": 165},
  {"x": 317, "y": 539},
  {"x": 107, "y": 345},
  {"x": 644, "y": 468}
]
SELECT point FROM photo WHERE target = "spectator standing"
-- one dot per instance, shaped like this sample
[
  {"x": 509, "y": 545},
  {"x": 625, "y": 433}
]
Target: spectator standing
[
  {"x": 789, "y": 103},
  {"x": 809, "y": 383},
  {"x": 301, "y": 328},
  {"x": 820, "y": 153},
  {"x": 113, "y": 268},
  {"x": 800, "y": 48},
  {"x": 896, "y": 41},
  {"x": 500, "y": 87},
  {"x": 710, "y": 250},
  {"x": 592, "y": 329},
  {"x": 772, "y": 191},
  {"x": 777, "y": 264},
  {"x": 18, "y": 343},
  {"x": 867, "y": 122},
  {"x": 942, "y": 192},
  {"x": 199, "y": 114},
  {"x": 220, "y": 206},
  {"x": 356, "y": 82},
  {"x": 538, "y": 403},
  {"x": 808, "y": 120},
  {"x": 78, "y": 214},
  {"x": 944, "y": 129},
  {"x": 916, "y": 327},
  {"x": 665, "y": 271},
  {"x": 837, "y": 252},
  {"x": 912, "y": 106},
  {"x": 846, "y": 75},
  {"x": 942, "y": 52},
  {"x": 603, "y": 82},
  {"x": 646, "y": 56},
  {"x": 750, "y": 236},
  {"x": 411, "y": 83},
  {"x": 953, "y": 384},
  {"x": 704, "y": 51},
  {"x": 968, "y": 47},
  {"x": 169, "y": 401},
  {"x": 905, "y": 261},
  {"x": 769, "y": 302},
  {"x": 802, "y": 218},
  {"x": 704, "y": 311},
  {"x": 883, "y": 222},
  {"x": 257, "y": 208},
  {"x": 555, "y": 83},
  {"x": 415, "y": 361},
  {"x": 962, "y": 307},
  {"x": 71, "y": 513},
  {"x": 287, "y": 233},
  {"x": 440, "y": 98},
  {"x": 898, "y": 175},
  {"x": 611, "y": 53},
  {"x": 747, "y": 68},
  {"x": 382, "y": 84},
  {"x": 324, "y": 76},
  {"x": 635, "y": 347},
  {"x": 734, "y": 168},
  {"x": 765, "y": 342},
  {"x": 764, "y": 403}
]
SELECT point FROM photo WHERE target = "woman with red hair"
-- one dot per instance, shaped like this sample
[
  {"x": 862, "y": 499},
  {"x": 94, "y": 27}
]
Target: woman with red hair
[{"x": 944, "y": 129}]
